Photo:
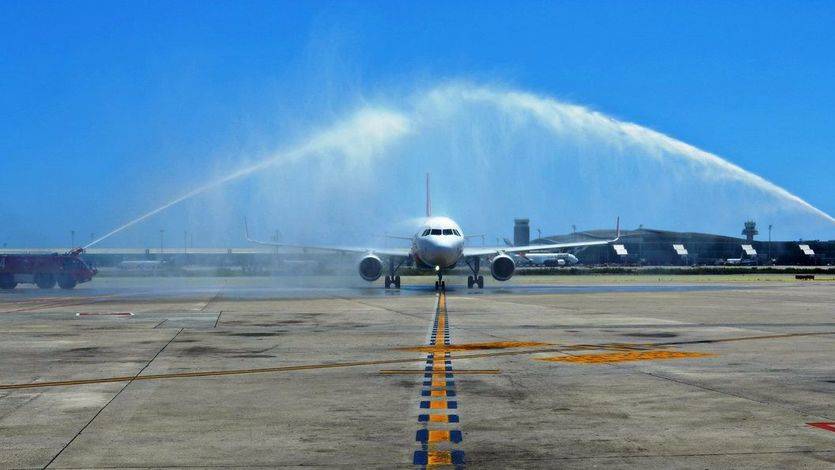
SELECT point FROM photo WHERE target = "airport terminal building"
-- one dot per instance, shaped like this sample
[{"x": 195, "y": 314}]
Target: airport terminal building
[{"x": 651, "y": 247}]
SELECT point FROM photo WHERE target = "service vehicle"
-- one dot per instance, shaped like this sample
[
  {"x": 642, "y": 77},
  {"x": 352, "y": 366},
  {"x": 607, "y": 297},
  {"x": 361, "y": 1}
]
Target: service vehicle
[{"x": 45, "y": 270}]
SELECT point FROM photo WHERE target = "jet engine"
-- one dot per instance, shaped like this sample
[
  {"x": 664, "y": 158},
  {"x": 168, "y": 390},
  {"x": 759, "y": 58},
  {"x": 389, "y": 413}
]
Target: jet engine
[
  {"x": 370, "y": 268},
  {"x": 502, "y": 267}
]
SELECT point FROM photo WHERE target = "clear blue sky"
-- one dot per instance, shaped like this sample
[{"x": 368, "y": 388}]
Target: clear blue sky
[{"x": 102, "y": 99}]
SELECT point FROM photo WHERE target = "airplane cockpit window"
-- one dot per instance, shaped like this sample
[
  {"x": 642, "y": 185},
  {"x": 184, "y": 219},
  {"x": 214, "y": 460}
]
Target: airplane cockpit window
[
  {"x": 456, "y": 232},
  {"x": 425, "y": 232},
  {"x": 436, "y": 231},
  {"x": 447, "y": 231}
]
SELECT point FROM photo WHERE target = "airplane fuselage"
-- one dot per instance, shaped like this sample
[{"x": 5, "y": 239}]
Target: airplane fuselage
[{"x": 439, "y": 244}]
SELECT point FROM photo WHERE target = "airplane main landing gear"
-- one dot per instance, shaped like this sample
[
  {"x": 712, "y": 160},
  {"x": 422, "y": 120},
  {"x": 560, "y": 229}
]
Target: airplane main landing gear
[
  {"x": 475, "y": 280},
  {"x": 440, "y": 285},
  {"x": 393, "y": 281}
]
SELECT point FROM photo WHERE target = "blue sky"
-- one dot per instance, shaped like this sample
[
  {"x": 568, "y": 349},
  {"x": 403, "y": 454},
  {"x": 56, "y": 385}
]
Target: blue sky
[{"x": 109, "y": 107}]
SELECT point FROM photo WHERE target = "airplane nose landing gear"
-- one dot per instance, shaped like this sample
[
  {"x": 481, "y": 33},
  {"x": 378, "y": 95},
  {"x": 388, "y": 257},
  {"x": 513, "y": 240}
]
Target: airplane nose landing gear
[{"x": 440, "y": 284}]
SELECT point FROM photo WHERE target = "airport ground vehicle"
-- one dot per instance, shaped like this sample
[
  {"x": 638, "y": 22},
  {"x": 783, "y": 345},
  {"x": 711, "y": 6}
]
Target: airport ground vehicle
[{"x": 44, "y": 270}]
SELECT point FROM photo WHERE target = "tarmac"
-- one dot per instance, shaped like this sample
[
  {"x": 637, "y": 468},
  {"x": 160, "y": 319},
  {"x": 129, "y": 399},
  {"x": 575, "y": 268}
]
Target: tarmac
[{"x": 258, "y": 373}]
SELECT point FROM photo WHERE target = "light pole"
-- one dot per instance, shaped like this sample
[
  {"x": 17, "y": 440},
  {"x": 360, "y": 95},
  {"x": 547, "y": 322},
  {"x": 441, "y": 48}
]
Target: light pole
[
  {"x": 539, "y": 233},
  {"x": 276, "y": 236}
]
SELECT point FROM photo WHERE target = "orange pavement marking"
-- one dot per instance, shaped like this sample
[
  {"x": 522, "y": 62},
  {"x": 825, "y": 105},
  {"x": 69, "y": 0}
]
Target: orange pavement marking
[{"x": 626, "y": 357}]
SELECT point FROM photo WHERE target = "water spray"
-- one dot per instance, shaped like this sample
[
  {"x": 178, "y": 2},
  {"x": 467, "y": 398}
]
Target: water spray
[
  {"x": 563, "y": 117},
  {"x": 369, "y": 132},
  {"x": 365, "y": 133}
]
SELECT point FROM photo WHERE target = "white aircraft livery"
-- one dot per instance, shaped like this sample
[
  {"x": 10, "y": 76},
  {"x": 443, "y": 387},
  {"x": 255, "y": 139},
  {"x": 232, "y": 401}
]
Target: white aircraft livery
[{"x": 438, "y": 246}]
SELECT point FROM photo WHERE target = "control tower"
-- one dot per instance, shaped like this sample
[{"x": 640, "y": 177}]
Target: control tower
[
  {"x": 521, "y": 232},
  {"x": 750, "y": 230}
]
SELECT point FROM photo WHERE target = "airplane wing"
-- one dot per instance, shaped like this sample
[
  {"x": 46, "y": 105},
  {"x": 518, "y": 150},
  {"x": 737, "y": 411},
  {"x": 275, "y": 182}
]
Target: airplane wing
[
  {"x": 487, "y": 251},
  {"x": 396, "y": 252}
]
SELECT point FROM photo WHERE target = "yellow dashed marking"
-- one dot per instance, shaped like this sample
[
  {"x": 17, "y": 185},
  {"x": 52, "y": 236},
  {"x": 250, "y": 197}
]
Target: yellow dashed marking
[
  {"x": 438, "y": 435},
  {"x": 438, "y": 418},
  {"x": 439, "y": 457},
  {"x": 442, "y": 348},
  {"x": 434, "y": 374},
  {"x": 626, "y": 357}
]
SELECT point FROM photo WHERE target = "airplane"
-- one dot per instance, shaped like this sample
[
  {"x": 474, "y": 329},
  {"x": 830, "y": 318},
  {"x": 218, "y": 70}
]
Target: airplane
[
  {"x": 438, "y": 246},
  {"x": 544, "y": 259},
  {"x": 550, "y": 259}
]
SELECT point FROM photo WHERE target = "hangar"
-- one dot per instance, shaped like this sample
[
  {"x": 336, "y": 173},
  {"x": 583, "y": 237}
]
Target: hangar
[{"x": 646, "y": 246}]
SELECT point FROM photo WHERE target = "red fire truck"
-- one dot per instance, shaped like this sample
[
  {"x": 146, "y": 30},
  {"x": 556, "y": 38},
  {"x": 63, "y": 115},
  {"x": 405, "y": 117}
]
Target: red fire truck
[{"x": 67, "y": 270}]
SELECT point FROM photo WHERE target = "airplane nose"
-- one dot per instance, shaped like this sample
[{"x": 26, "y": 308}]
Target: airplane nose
[{"x": 442, "y": 253}]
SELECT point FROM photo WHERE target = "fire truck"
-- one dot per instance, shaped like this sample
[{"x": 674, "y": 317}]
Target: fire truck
[{"x": 67, "y": 270}]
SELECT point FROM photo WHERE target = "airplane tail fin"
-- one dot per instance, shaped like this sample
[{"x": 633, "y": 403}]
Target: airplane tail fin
[
  {"x": 428, "y": 198},
  {"x": 617, "y": 229}
]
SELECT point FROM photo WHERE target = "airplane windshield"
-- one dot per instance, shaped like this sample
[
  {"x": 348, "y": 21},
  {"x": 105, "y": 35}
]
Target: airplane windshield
[
  {"x": 436, "y": 231},
  {"x": 425, "y": 232},
  {"x": 447, "y": 231},
  {"x": 456, "y": 232}
]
